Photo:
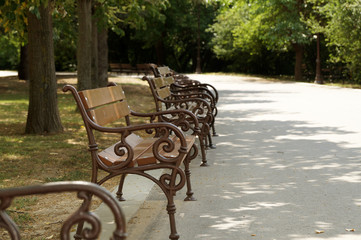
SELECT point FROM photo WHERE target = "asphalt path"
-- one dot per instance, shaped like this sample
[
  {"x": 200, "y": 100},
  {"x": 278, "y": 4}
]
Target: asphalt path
[{"x": 287, "y": 167}]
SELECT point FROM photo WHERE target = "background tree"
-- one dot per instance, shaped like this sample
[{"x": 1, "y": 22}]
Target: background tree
[
  {"x": 43, "y": 114},
  {"x": 343, "y": 34},
  {"x": 316, "y": 23},
  {"x": 275, "y": 24},
  {"x": 84, "y": 49}
]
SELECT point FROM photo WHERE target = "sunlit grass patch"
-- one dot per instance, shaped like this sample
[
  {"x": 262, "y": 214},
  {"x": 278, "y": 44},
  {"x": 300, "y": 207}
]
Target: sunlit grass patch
[{"x": 25, "y": 159}]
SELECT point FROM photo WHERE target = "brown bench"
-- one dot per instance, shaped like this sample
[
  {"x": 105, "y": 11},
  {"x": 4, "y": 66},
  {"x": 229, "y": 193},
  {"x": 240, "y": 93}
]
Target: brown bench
[
  {"x": 85, "y": 191},
  {"x": 144, "y": 68},
  {"x": 165, "y": 100},
  {"x": 140, "y": 68},
  {"x": 161, "y": 145},
  {"x": 185, "y": 81},
  {"x": 182, "y": 84},
  {"x": 121, "y": 68}
]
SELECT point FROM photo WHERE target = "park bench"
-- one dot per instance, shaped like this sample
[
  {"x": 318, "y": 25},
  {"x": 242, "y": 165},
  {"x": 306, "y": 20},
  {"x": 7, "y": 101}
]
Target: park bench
[
  {"x": 165, "y": 100},
  {"x": 142, "y": 148},
  {"x": 182, "y": 84},
  {"x": 140, "y": 68},
  {"x": 84, "y": 191},
  {"x": 183, "y": 81},
  {"x": 121, "y": 68},
  {"x": 144, "y": 68}
]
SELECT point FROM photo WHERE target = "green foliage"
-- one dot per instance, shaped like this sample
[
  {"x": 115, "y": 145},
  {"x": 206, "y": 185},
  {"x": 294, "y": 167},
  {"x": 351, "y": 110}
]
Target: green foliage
[
  {"x": 65, "y": 36},
  {"x": 9, "y": 52},
  {"x": 344, "y": 34},
  {"x": 173, "y": 32}
]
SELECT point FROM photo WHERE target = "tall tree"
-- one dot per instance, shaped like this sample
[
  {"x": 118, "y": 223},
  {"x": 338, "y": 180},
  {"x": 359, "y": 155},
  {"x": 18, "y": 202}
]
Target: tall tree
[
  {"x": 84, "y": 50},
  {"x": 343, "y": 34},
  {"x": 35, "y": 19},
  {"x": 102, "y": 57},
  {"x": 197, "y": 8},
  {"x": 316, "y": 21},
  {"x": 276, "y": 24},
  {"x": 43, "y": 113}
]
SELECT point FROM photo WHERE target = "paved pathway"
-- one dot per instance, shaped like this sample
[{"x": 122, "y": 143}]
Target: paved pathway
[{"x": 287, "y": 164}]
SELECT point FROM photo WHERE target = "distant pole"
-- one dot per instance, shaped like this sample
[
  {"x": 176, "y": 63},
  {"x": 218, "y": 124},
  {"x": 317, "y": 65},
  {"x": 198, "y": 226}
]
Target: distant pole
[{"x": 319, "y": 77}]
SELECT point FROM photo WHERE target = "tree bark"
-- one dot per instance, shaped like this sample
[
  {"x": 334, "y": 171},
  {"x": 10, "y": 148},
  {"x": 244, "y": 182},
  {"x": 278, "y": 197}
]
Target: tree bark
[
  {"x": 94, "y": 54},
  {"x": 43, "y": 114},
  {"x": 159, "y": 48},
  {"x": 23, "y": 70},
  {"x": 298, "y": 63},
  {"x": 198, "y": 67},
  {"x": 103, "y": 57},
  {"x": 84, "y": 56}
]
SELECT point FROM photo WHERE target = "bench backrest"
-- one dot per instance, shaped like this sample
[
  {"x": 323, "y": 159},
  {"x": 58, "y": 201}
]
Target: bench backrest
[
  {"x": 164, "y": 71},
  {"x": 105, "y": 105},
  {"x": 161, "y": 90},
  {"x": 162, "y": 86}
]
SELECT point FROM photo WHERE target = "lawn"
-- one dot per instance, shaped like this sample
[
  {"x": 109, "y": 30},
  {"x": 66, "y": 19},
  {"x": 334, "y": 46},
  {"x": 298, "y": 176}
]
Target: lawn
[{"x": 35, "y": 159}]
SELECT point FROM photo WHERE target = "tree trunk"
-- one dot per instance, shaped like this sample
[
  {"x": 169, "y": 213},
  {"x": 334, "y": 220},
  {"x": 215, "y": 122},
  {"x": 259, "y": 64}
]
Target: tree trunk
[
  {"x": 198, "y": 67},
  {"x": 319, "y": 77},
  {"x": 94, "y": 54},
  {"x": 23, "y": 70},
  {"x": 43, "y": 114},
  {"x": 159, "y": 48},
  {"x": 103, "y": 57},
  {"x": 298, "y": 63},
  {"x": 84, "y": 56}
]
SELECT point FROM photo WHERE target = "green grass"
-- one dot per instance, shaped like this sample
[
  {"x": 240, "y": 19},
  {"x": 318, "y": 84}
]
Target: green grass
[
  {"x": 34, "y": 159},
  {"x": 28, "y": 159}
]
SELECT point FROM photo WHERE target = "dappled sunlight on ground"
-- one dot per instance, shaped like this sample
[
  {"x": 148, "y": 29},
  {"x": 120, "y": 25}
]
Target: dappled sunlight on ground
[{"x": 285, "y": 168}]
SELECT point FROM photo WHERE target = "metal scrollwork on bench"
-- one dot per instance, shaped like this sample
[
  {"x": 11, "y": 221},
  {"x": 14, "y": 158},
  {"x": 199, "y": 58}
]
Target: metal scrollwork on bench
[{"x": 85, "y": 192}]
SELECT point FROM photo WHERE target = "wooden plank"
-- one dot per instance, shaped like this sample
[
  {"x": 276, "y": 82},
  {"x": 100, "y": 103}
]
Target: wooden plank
[
  {"x": 143, "y": 151},
  {"x": 168, "y": 80},
  {"x": 109, "y": 113},
  {"x": 138, "y": 144},
  {"x": 158, "y": 82},
  {"x": 96, "y": 97},
  {"x": 148, "y": 158},
  {"x": 164, "y": 70},
  {"x": 164, "y": 92}
]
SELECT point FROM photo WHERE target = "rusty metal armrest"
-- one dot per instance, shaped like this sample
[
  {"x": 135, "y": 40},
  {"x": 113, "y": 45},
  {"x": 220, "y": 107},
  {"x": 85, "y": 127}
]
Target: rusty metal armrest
[
  {"x": 193, "y": 88},
  {"x": 185, "y": 102},
  {"x": 84, "y": 191},
  {"x": 185, "y": 93},
  {"x": 196, "y": 84},
  {"x": 185, "y": 118},
  {"x": 164, "y": 128}
]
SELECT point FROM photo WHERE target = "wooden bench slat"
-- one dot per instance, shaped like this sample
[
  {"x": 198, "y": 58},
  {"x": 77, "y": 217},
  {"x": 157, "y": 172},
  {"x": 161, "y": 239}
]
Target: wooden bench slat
[
  {"x": 164, "y": 70},
  {"x": 109, "y": 113},
  {"x": 168, "y": 81},
  {"x": 158, "y": 82},
  {"x": 139, "y": 145},
  {"x": 148, "y": 158},
  {"x": 143, "y": 151},
  {"x": 96, "y": 97},
  {"x": 164, "y": 92}
]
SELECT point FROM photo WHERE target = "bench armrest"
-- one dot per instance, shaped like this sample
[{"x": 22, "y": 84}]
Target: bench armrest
[
  {"x": 186, "y": 94},
  {"x": 180, "y": 117},
  {"x": 198, "y": 88},
  {"x": 201, "y": 105},
  {"x": 196, "y": 84},
  {"x": 163, "y": 140},
  {"x": 84, "y": 189}
]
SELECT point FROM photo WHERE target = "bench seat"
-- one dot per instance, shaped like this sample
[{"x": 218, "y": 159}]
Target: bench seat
[{"x": 143, "y": 151}]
